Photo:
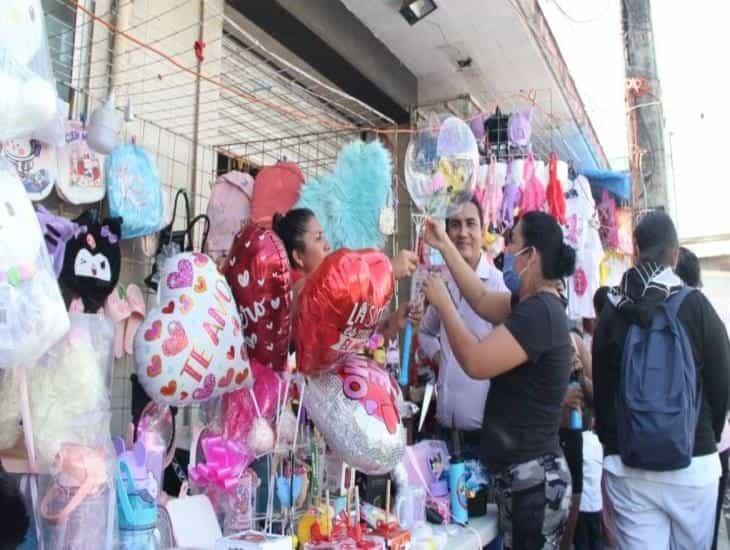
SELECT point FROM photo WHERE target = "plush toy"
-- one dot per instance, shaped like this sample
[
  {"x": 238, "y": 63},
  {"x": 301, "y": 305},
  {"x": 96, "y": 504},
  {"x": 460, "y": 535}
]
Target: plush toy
[
  {"x": 28, "y": 101},
  {"x": 32, "y": 314},
  {"x": 349, "y": 200},
  {"x": 92, "y": 261},
  {"x": 60, "y": 413}
]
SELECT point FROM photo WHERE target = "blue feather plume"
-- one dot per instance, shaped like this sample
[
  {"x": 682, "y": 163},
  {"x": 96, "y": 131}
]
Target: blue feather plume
[{"x": 348, "y": 200}]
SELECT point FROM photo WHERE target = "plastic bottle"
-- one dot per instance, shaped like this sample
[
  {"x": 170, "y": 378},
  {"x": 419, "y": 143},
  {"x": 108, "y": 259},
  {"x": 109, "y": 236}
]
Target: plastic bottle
[{"x": 457, "y": 483}]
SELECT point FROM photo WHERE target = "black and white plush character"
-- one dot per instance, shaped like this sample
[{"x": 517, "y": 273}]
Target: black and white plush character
[{"x": 92, "y": 261}]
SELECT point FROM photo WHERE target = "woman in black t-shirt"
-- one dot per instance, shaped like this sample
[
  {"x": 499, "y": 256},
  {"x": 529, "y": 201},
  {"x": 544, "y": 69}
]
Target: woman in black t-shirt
[{"x": 528, "y": 359}]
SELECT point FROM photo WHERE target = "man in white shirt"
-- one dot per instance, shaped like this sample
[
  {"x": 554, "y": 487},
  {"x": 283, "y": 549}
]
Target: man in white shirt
[{"x": 460, "y": 401}]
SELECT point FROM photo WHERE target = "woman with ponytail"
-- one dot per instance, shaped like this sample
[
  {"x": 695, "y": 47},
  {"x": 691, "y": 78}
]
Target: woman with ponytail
[{"x": 528, "y": 359}]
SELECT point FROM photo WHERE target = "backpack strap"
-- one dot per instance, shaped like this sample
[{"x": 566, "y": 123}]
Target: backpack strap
[{"x": 675, "y": 300}]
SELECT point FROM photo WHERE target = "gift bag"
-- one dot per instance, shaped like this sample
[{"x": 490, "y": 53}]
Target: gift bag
[
  {"x": 135, "y": 192},
  {"x": 35, "y": 163},
  {"x": 81, "y": 169}
]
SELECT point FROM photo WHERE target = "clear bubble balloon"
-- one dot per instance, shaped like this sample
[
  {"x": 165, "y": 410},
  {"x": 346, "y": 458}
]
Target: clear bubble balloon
[{"x": 440, "y": 169}]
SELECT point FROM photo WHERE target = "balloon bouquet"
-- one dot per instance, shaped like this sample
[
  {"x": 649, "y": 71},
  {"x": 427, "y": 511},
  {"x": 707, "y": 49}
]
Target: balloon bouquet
[{"x": 441, "y": 167}]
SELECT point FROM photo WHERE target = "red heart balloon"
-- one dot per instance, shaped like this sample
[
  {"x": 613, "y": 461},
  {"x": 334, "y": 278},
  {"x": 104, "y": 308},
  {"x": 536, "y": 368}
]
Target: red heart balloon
[
  {"x": 257, "y": 270},
  {"x": 340, "y": 305}
]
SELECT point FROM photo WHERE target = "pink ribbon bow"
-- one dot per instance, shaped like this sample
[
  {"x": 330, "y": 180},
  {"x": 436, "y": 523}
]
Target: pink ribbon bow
[{"x": 225, "y": 461}]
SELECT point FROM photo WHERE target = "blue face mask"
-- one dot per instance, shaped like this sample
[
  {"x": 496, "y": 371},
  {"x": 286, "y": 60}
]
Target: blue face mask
[{"x": 512, "y": 279}]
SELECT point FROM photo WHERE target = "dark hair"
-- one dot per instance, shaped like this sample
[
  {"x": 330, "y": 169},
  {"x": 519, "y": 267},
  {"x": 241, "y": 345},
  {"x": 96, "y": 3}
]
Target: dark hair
[
  {"x": 656, "y": 238},
  {"x": 290, "y": 228},
  {"x": 541, "y": 231},
  {"x": 480, "y": 212},
  {"x": 688, "y": 268},
  {"x": 599, "y": 299}
]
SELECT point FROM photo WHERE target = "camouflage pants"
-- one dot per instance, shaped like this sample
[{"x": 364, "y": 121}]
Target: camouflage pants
[{"x": 534, "y": 501}]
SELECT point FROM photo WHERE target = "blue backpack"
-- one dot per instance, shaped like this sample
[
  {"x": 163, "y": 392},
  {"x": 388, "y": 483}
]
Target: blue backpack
[{"x": 659, "y": 398}]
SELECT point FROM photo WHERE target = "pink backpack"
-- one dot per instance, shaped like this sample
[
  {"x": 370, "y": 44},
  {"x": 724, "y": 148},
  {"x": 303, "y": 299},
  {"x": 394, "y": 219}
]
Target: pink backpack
[{"x": 228, "y": 207}]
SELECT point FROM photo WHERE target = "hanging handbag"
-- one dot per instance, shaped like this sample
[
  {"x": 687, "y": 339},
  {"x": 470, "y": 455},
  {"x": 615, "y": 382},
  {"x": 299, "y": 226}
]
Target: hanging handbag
[{"x": 172, "y": 242}]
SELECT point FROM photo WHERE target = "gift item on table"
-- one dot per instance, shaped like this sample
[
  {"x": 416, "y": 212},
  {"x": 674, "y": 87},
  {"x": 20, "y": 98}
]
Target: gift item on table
[
  {"x": 189, "y": 522},
  {"x": 136, "y": 488},
  {"x": 395, "y": 537},
  {"x": 344, "y": 544},
  {"x": 427, "y": 464},
  {"x": 254, "y": 540},
  {"x": 239, "y": 505},
  {"x": 77, "y": 508},
  {"x": 410, "y": 506},
  {"x": 438, "y": 509}
]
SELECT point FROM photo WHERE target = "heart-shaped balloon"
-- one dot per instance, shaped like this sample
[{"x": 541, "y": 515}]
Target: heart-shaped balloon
[
  {"x": 441, "y": 176},
  {"x": 340, "y": 305},
  {"x": 194, "y": 353},
  {"x": 258, "y": 272},
  {"x": 356, "y": 408}
]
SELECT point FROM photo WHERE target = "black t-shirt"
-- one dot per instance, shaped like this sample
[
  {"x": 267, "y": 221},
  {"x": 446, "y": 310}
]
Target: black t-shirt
[{"x": 522, "y": 413}]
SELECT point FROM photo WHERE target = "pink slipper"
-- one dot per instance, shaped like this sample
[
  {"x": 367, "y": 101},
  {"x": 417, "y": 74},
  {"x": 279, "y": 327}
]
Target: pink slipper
[
  {"x": 117, "y": 310},
  {"x": 135, "y": 299}
]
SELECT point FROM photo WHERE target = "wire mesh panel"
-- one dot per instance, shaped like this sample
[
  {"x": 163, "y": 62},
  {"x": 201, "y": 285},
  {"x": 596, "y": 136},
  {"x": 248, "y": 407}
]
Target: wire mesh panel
[{"x": 195, "y": 86}]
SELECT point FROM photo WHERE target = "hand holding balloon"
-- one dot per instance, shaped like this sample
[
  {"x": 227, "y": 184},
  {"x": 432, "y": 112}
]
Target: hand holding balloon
[
  {"x": 435, "y": 235},
  {"x": 404, "y": 264},
  {"x": 436, "y": 292}
]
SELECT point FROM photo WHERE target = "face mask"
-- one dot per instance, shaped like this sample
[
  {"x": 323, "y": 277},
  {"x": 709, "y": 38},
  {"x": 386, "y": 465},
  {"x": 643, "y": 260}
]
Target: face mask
[{"x": 512, "y": 279}]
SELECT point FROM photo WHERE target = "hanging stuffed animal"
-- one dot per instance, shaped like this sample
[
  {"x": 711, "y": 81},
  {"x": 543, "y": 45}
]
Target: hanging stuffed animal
[
  {"x": 92, "y": 261},
  {"x": 32, "y": 315},
  {"x": 533, "y": 195},
  {"x": 554, "y": 192},
  {"x": 511, "y": 197}
]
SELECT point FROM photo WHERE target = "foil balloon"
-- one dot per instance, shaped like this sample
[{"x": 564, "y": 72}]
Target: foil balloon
[
  {"x": 340, "y": 306},
  {"x": 189, "y": 349},
  {"x": 440, "y": 181},
  {"x": 258, "y": 272},
  {"x": 356, "y": 408},
  {"x": 238, "y": 409}
]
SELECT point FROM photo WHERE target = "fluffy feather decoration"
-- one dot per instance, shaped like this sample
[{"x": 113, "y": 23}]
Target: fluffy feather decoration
[{"x": 348, "y": 200}]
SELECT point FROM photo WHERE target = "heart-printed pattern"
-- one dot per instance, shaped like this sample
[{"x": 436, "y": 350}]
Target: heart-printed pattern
[
  {"x": 155, "y": 366},
  {"x": 186, "y": 304},
  {"x": 168, "y": 390},
  {"x": 242, "y": 376},
  {"x": 261, "y": 284},
  {"x": 154, "y": 332},
  {"x": 183, "y": 277},
  {"x": 190, "y": 348},
  {"x": 204, "y": 393},
  {"x": 227, "y": 379},
  {"x": 200, "y": 285},
  {"x": 177, "y": 341}
]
